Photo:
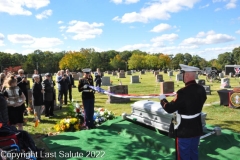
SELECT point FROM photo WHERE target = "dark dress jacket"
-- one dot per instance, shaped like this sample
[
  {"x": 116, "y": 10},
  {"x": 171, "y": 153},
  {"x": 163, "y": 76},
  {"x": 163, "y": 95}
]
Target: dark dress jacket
[
  {"x": 87, "y": 93},
  {"x": 188, "y": 101},
  {"x": 37, "y": 94},
  {"x": 48, "y": 90},
  {"x": 22, "y": 85},
  {"x": 63, "y": 84},
  {"x": 3, "y": 110}
]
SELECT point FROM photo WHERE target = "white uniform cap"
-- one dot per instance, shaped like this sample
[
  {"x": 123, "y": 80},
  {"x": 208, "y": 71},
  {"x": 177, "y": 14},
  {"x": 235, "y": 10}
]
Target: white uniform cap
[
  {"x": 187, "y": 68},
  {"x": 35, "y": 76},
  {"x": 86, "y": 70}
]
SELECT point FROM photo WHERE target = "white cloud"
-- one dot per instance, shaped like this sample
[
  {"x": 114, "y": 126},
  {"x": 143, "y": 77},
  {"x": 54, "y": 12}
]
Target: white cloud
[
  {"x": 201, "y": 7},
  {"x": 126, "y": 1},
  {"x": 165, "y": 37},
  {"x": 231, "y": 4},
  {"x": 21, "y": 38},
  {"x": 1, "y": 39},
  {"x": 161, "y": 27},
  {"x": 62, "y": 28},
  {"x": 238, "y": 31},
  {"x": 157, "y": 10},
  {"x": 217, "y": 9},
  {"x": 84, "y": 30},
  {"x": 44, "y": 42},
  {"x": 44, "y": 14},
  {"x": 131, "y": 1},
  {"x": 133, "y": 47},
  {"x": 18, "y": 7},
  {"x": 210, "y": 37},
  {"x": 65, "y": 37},
  {"x": 117, "y": 1},
  {"x": 60, "y": 22},
  {"x": 171, "y": 49}
]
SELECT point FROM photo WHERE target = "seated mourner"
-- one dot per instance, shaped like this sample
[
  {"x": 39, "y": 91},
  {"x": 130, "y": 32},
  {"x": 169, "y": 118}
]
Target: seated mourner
[{"x": 26, "y": 142}]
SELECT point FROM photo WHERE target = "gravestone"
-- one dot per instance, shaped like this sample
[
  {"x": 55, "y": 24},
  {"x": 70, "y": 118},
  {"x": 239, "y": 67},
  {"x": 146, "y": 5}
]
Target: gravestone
[
  {"x": 230, "y": 74},
  {"x": 156, "y": 73},
  {"x": 196, "y": 77},
  {"x": 30, "y": 98},
  {"x": 142, "y": 72},
  {"x": 159, "y": 78},
  {"x": 119, "y": 89},
  {"x": 170, "y": 73},
  {"x": 76, "y": 76},
  {"x": 207, "y": 89},
  {"x": 200, "y": 81},
  {"x": 225, "y": 83},
  {"x": 221, "y": 75},
  {"x": 133, "y": 71},
  {"x": 109, "y": 72},
  {"x": 121, "y": 74},
  {"x": 166, "y": 87},
  {"x": 179, "y": 77},
  {"x": 80, "y": 74},
  {"x": 106, "y": 81},
  {"x": 114, "y": 73},
  {"x": 29, "y": 75},
  {"x": 135, "y": 79},
  {"x": 129, "y": 73}
]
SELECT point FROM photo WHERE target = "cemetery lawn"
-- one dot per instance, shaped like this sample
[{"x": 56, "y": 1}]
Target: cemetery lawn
[{"x": 222, "y": 116}]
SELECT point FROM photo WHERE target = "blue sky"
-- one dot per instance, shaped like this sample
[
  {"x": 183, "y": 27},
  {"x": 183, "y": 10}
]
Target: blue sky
[{"x": 199, "y": 27}]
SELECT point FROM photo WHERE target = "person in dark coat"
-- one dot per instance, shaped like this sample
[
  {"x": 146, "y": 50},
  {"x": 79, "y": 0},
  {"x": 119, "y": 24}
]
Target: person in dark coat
[
  {"x": 188, "y": 125},
  {"x": 88, "y": 97},
  {"x": 71, "y": 83},
  {"x": 37, "y": 97},
  {"x": 98, "y": 79},
  {"x": 22, "y": 84},
  {"x": 48, "y": 95},
  {"x": 63, "y": 88},
  {"x": 36, "y": 73}
]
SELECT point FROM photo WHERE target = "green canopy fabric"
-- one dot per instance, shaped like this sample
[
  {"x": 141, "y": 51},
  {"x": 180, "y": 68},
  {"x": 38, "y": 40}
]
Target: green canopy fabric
[{"x": 124, "y": 140}]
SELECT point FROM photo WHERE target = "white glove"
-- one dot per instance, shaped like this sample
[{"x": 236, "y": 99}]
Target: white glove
[
  {"x": 162, "y": 96},
  {"x": 85, "y": 86}
]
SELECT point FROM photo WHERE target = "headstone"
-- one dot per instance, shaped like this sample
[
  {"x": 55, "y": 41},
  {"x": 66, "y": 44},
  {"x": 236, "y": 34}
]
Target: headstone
[
  {"x": 114, "y": 73},
  {"x": 166, "y": 87},
  {"x": 142, "y": 72},
  {"x": 221, "y": 75},
  {"x": 135, "y": 79},
  {"x": 200, "y": 81},
  {"x": 129, "y": 73},
  {"x": 164, "y": 71},
  {"x": 29, "y": 75},
  {"x": 109, "y": 72},
  {"x": 179, "y": 77},
  {"x": 156, "y": 73},
  {"x": 159, "y": 78},
  {"x": 30, "y": 98},
  {"x": 207, "y": 89},
  {"x": 170, "y": 73},
  {"x": 230, "y": 74},
  {"x": 106, "y": 81},
  {"x": 121, "y": 74},
  {"x": 119, "y": 89},
  {"x": 80, "y": 74},
  {"x": 225, "y": 83},
  {"x": 76, "y": 76}
]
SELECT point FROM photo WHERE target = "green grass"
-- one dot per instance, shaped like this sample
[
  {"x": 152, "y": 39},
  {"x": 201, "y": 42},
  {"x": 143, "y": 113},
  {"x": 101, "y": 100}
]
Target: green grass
[{"x": 217, "y": 115}]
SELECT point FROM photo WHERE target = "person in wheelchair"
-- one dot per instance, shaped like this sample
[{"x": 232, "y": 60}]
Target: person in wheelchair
[{"x": 10, "y": 135}]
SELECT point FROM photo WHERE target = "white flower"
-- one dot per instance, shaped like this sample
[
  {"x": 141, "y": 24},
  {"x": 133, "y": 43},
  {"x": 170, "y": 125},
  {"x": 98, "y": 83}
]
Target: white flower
[
  {"x": 101, "y": 113},
  {"x": 97, "y": 120},
  {"x": 67, "y": 120}
]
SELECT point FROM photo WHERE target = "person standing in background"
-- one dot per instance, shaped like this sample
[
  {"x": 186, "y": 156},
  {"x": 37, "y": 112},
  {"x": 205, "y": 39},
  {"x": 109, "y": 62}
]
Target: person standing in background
[
  {"x": 36, "y": 73},
  {"x": 63, "y": 83},
  {"x": 22, "y": 83},
  {"x": 98, "y": 78},
  {"x": 70, "y": 85}
]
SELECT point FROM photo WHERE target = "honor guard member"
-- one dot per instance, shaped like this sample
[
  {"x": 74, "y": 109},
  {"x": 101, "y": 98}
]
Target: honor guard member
[
  {"x": 87, "y": 97},
  {"x": 187, "y": 123}
]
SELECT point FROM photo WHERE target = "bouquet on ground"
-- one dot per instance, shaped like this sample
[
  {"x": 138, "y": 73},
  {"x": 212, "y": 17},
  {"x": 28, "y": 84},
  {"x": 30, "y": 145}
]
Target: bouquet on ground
[
  {"x": 68, "y": 124},
  {"x": 101, "y": 115}
]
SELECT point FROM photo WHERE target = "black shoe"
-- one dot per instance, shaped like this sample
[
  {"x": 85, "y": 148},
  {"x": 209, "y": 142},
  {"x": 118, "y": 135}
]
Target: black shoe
[{"x": 60, "y": 107}]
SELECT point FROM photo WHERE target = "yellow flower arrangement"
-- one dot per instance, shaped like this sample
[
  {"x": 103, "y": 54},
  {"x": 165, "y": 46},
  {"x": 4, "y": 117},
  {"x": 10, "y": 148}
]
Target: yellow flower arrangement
[{"x": 68, "y": 124}]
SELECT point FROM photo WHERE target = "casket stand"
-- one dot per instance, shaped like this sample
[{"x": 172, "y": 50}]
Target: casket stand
[{"x": 152, "y": 114}]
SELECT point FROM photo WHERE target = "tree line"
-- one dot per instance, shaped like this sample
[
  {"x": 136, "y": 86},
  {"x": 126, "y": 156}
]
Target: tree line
[{"x": 48, "y": 61}]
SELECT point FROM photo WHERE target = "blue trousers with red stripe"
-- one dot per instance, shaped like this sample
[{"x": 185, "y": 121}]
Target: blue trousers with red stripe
[{"x": 187, "y": 148}]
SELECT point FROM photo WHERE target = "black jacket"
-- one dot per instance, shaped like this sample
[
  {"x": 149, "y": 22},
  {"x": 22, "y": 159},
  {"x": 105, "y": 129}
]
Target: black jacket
[
  {"x": 188, "y": 101},
  {"x": 63, "y": 83},
  {"x": 37, "y": 94},
  {"x": 3, "y": 110},
  {"x": 86, "y": 81},
  {"x": 48, "y": 90},
  {"x": 22, "y": 85}
]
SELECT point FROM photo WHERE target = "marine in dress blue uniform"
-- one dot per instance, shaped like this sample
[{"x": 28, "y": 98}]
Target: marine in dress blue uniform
[
  {"x": 188, "y": 104},
  {"x": 88, "y": 97}
]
